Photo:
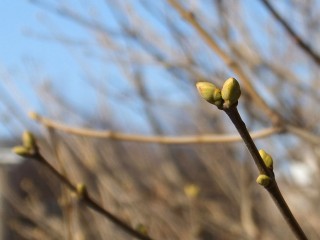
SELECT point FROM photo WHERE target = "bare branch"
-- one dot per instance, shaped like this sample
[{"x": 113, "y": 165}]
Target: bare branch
[
  {"x": 298, "y": 40},
  {"x": 207, "y": 138}
]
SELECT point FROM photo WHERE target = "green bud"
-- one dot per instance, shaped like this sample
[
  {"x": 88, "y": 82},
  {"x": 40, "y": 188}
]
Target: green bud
[
  {"x": 192, "y": 190},
  {"x": 28, "y": 140},
  {"x": 209, "y": 92},
  {"x": 263, "y": 180},
  {"x": 206, "y": 90},
  {"x": 21, "y": 150},
  {"x": 230, "y": 92},
  {"x": 81, "y": 190},
  {"x": 142, "y": 229},
  {"x": 33, "y": 115},
  {"x": 267, "y": 159}
]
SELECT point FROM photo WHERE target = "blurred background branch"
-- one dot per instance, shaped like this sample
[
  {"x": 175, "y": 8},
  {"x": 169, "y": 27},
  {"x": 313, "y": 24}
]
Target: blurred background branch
[
  {"x": 208, "y": 138},
  {"x": 299, "y": 41}
]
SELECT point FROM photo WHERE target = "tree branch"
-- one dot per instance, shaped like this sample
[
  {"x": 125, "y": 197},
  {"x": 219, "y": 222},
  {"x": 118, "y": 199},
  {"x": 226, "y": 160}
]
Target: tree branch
[
  {"x": 30, "y": 149},
  {"x": 226, "y": 99},
  {"x": 119, "y": 136},
  {"x": 298, "y": 40}
]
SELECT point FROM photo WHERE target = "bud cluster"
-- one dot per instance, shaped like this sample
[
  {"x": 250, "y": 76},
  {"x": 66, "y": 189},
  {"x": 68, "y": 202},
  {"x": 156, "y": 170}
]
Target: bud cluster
[
  {"x": 224, "y": 98},
  {"x": 29, "y": 146}
]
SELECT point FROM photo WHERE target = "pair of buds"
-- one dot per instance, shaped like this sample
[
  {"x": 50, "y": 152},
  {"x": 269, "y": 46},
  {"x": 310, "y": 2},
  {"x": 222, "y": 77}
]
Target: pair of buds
[
  {"x": 29, "y": 146},
  {"x": 224, "y": 98},
  {"x": 263, "y": 179}
]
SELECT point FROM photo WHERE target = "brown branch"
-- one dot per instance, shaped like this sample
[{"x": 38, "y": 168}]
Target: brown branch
[
  {"x": 303, "y": 134},
  {"x": 227, "y": 101},
  {"x": 298, "y": 40},
  {"x": 229, "y": 61},
  {"x": 90, "y": 202},
  {"x": 30, "y": 150},
  {"x": 277, "y": 197},
  {"x": 207, "y": 138},
  {"x": 235, "y": 117},
  {"x": 272, "y": 187}
]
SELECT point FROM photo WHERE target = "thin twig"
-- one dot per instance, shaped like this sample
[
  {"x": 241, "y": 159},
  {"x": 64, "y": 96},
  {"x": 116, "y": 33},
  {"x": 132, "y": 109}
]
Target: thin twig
[
  {"x": 206, "y": 138},
  {"x": 277, "y": 197},
  {"x": 90, "y": 202},
  {"x": 30, "y": 149},
  {"x": 302, "y": 133},
  {"x": 298, "y": 40},
  {"x": 272, "y": 188},
  {"x": 235, "y": 117}
]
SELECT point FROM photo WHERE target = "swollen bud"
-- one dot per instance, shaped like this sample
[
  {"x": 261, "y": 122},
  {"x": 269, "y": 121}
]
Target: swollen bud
[
  {"x": 142, "y": 229},
  {"x": 191, "y": 190},
  {"x": 33, "y": 115},
  {"x": 28, "y": 140},
  {"x": 263, "y": 180},
  {"x": 29, "y": 147},
  {"x": 21, "y": 151},
  {"x": 230, "y": 92},
  {"x": 206, "y": 90},
  {"x": 267, "y": 159},
  {"x": 81, "y": 190},
  {"x": 209, "y": 92}
]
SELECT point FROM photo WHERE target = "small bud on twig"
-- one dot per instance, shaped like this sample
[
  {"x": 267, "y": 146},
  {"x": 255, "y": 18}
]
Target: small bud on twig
[
  {"x": 29, "y": 148},
  {"x": 267, "y": 159},
  {"x": 33, "y": 115},
  {"x": 21, "y": 151},
  {"x": 230, "y": 92},
  {"x": 191, "y": 190},
  {"x": 263, "y": 180},
  {"x": 28, "y": 140},
  {"x": 142, "y": 229},
  {"x": 81, "y": 190},
  {"x": 209, "y": 92},
  {"x": 205, "y": 90}
]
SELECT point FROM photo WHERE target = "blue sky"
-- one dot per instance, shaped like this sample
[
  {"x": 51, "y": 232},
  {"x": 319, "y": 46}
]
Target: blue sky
[
  {"x": 29, "y": 54},
  {"x": 14, "y": 15}
]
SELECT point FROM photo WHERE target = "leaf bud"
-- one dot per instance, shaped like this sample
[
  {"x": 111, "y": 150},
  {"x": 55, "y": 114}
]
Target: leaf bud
[
  {"x": 28, "y": 140},
  {"x": 263, "y": 180},
  {"x": 267, "y": 159},
  {"x": 206, "y": 90},
  {"x": 21, "y": 151},
  {"x": 230, "y": 92}
]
